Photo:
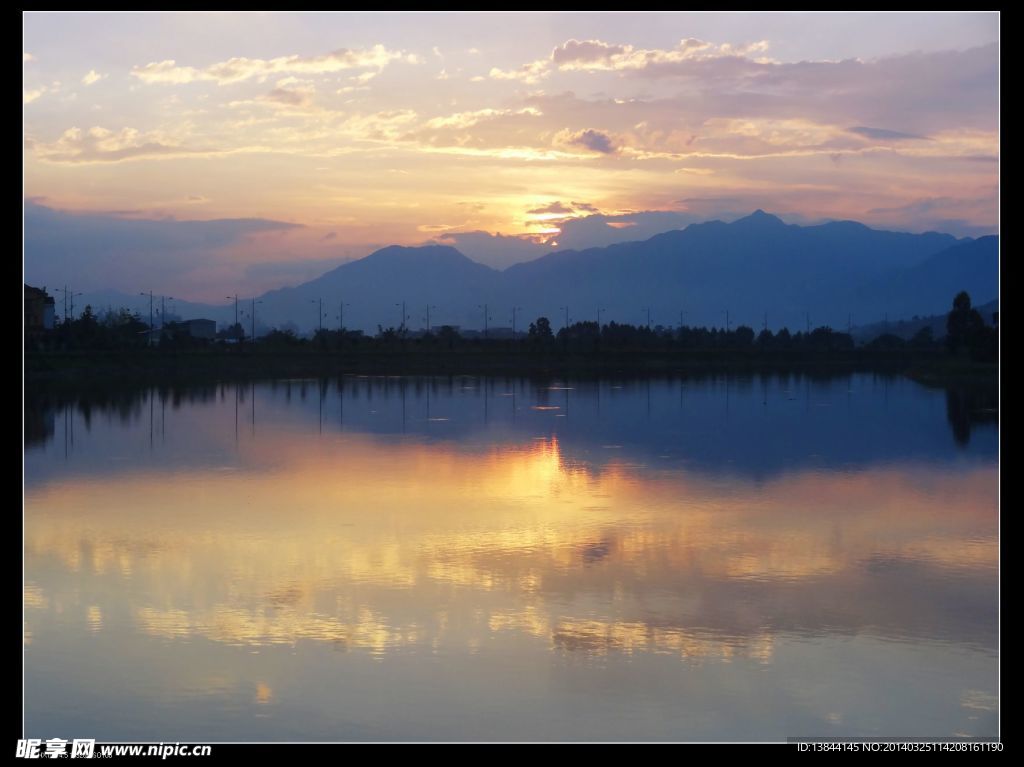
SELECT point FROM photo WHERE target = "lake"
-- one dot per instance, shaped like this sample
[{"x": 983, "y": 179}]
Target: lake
[{"x": 728, "y": 558}]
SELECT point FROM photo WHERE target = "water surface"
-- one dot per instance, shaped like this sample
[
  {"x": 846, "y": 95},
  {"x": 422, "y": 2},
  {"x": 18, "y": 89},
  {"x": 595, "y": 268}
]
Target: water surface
[{"x": 372, "y": 558}]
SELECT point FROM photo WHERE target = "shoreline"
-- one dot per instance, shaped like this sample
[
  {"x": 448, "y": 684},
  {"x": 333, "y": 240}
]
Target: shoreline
[{"x": 161, "y": 366}]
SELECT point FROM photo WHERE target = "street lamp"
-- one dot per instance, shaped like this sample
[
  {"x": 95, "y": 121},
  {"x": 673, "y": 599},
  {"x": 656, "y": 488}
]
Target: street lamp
[{"x": 235, "y": 298}]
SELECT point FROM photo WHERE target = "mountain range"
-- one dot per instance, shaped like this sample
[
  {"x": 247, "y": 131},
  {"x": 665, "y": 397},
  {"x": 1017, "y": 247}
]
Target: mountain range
[{"x": 835, "y": 274}]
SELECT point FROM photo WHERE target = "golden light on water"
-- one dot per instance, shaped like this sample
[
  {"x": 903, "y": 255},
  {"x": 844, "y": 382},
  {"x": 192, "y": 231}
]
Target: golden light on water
[{"x": 329, "y": 547}]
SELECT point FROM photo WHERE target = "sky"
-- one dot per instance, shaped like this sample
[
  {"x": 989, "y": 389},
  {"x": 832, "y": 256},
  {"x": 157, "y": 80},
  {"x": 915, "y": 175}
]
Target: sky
[{"x": 213, "y": 153}]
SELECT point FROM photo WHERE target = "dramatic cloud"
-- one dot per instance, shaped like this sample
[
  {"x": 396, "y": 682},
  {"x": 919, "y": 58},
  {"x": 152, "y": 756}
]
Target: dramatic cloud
[
  {"x": 634, "y": 123},
  {"x": 240, "y": 69}
]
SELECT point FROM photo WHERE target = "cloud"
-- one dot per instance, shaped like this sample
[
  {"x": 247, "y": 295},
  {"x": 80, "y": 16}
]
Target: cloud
[
  {"x": 595, "y": 141},
  {"x": 959, "y": 216},
  {"x": 31, "y": 94},
  {"x": 92, "y": 76},
  {"x": 468, "y": 119},
  {"x": 528, "y": 73},
  {"x": 882, "y": 133},
  {"x": 240, "y": 69},
  {"x": 575, "y": 51},
  {"x": 555, "y": 207},
  {"x": 27, "y": 57},
  {"x": 598, "y": 55},
  {"x": 287, "y": 97},
  {"x": 576, "y": 233},
  {"x": 100, "y": 145},
  {"x": 102, "y": 251},
  {"x": 495, "y": 250}
]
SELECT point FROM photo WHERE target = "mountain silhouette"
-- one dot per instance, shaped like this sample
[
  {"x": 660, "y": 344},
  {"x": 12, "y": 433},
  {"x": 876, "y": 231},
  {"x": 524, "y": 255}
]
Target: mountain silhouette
[{"x": 752, "y": 266}]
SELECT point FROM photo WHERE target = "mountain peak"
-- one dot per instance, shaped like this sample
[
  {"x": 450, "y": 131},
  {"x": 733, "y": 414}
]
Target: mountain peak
[
  {"x": 434, "y": 252},
  {"x": 760, "y": 218}
]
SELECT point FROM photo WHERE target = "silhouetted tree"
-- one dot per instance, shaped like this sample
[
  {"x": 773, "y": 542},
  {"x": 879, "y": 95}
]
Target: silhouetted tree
[
  {"x": 448, "y": 335},
  {"x": 540, "y": 331},
  {"x": 923, "y": 339},
  {"x": 743, "y": 336},
  {"x": 964, "y": 325}
]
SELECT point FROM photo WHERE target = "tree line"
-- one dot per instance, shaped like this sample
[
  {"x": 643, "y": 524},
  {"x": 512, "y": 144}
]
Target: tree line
[{"x": 967, "y": 335}]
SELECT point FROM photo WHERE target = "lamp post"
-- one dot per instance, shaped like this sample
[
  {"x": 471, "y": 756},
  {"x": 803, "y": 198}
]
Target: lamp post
[
  {"x": 402, "y": 323},
  {"x": 341, "y": 315},
  {"x": 235, "y": 299}
]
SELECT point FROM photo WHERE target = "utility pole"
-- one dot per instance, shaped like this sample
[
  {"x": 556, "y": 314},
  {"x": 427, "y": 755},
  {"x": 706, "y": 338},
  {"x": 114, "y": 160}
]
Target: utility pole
[
  {"x": 849, "y": 324},
  {"x": 484, "y": 307},
  {"x": 150, "y": 294},
  {"x": 765, "y": 321},
  {"x": 648, "y": 317},
  {"x": 514, "y": 310},
  {"x": 235, "y": 297},
  {"x": 681, "y": 313},
  {"x": 163, "y": 311},
  {"x": 320, "y": 311},
  {"x": 726, "y": 320},
  {"x": 808, "y": 323},
  {"x": 599, "y": 320},
  {"x": 341, "y": 315},
  {"x": 254, "y": 302},
  {"x": 566, "y": 316}
]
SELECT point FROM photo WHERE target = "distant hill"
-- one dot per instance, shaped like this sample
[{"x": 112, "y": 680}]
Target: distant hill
[
  {"x": 832, "y": 273},
  {"x": 907, "y": 328}
]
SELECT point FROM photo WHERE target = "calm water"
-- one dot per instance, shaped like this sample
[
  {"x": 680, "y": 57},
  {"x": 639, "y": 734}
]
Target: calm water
[{"x": 466, "y": 558}]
